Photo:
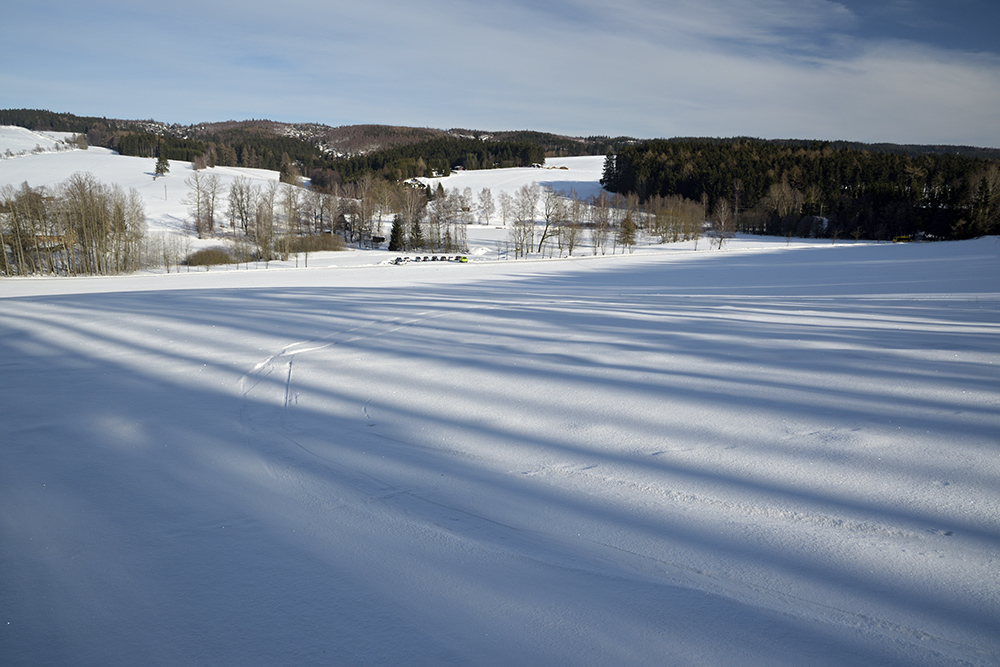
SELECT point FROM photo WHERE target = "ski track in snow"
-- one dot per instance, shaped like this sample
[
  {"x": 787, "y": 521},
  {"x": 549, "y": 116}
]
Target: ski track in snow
[
  {"x": 401, "y": 504},
  {"x": 482, "y": 439},
  {"x": 286, "y": 356}
]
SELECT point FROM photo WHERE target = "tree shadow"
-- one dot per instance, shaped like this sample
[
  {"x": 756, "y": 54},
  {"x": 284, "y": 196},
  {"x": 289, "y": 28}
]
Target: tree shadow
[{"x": 430, "y": 473}]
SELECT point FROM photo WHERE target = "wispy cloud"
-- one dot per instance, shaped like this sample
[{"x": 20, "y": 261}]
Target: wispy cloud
[{"x": 807, "y": 68}]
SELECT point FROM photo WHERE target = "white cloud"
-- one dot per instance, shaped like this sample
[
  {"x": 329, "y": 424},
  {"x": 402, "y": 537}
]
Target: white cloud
[{"x": 641, "y": 67}]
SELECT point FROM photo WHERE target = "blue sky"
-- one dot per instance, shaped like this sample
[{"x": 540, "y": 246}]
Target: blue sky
[{"x": 906, "y": 71}]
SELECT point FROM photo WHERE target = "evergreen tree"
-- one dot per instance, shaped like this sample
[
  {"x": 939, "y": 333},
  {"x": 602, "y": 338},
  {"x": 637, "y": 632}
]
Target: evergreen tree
[
  {"x": 626, "y": 232},
  {"x": 162, "y": 165},
  {"x": 396, "y": 237},
  {"x": 416, "y": 236}
]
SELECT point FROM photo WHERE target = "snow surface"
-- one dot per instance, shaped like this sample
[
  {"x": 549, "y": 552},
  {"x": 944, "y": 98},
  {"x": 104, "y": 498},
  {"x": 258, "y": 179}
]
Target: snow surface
[
  {"x": 779, "y": 454},
  {"x": 579, "y": 174},
  {"x": 18, "y": 141},
  {"x": 164, "y": 196}
]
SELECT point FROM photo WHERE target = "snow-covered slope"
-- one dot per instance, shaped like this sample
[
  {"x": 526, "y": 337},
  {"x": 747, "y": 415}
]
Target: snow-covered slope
[
  {"x": 165, "y": 196},
  {"x": 18, "y": 141},
  {"x": 775, "y": 454},
  {"x": 579, "y": 174}
]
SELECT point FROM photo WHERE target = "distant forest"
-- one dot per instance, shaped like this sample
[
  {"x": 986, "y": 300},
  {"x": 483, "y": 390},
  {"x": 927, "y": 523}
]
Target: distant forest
[
  {"x": 789, "y": 187},
  {"x": 392, "y": 153},
  {"x": 826, "y": 189}
]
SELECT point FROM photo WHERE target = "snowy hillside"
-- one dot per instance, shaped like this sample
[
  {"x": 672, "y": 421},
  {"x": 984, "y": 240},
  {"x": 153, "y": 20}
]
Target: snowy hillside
[
  {"x": 579, "y": 174},
  {"x": 779, "y": 453},
  {"x": 18, "y": 142},
  {"x": 165, "y": 197}
]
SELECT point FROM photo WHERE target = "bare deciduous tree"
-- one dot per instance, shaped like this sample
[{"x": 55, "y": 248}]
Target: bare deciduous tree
[
  {"x": 783, "y": 199},
  {"x": 290, "y": 205},
  {"x": 466, "y": 204},
  {"x": 364, "y": 206},
  {"x": 723, "y": 226},
  {"x": 600, "y": 222},
  {"x": 314, "y": 210},
  {"x": 264, "y": 220},
  {"x": 522, "y": 233},
  {"x": 80, "y": 227},
  {"x": 506, "y": 206},
  {"x": 212, "y": 190},
  {"x": 242, "y": 200},
  {"x": 675, "y": 218},
  {"x": 195, "y": 200},
  {"x": 486, "y": 205},
  {"x": 554, "y": 214}
]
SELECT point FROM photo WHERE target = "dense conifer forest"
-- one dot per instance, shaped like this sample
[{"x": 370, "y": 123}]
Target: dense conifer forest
[
  {"x": 818, "y": 188},
  {"x": 392, "y": 153}
]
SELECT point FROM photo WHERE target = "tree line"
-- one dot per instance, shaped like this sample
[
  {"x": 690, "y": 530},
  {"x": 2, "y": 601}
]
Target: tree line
[
  {"x": 261, "y": 147},
  {"x": 550, "y": 223},
  {"x": 815, "y": 188},
  {"x": 257, "y": 145},
  {"x": 439, "y": 156},
  {"x": 80, "y": 227},
  {"x": 285, "y": 154},
  {"x": 85, "y": 227},
  {"x": 41, "y": 120},
  {"x": 539, "y": 220}
]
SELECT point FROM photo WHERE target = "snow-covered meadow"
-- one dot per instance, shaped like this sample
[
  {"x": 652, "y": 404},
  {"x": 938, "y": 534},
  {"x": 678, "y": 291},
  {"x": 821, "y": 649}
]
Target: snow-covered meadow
[
  {"x": 165, "y": 197},
  {"x": 777, "y": 453}
]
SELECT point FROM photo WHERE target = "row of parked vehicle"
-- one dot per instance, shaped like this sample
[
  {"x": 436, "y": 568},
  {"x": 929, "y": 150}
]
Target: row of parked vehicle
[{"x": 431, "y": 258}]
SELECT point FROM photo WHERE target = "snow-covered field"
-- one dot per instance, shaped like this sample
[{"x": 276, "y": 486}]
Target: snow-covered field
[
  {"x": 773, "y": 454},
  {"x": 164, "y": 197},
  {"x": 579, "y": 174}
]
